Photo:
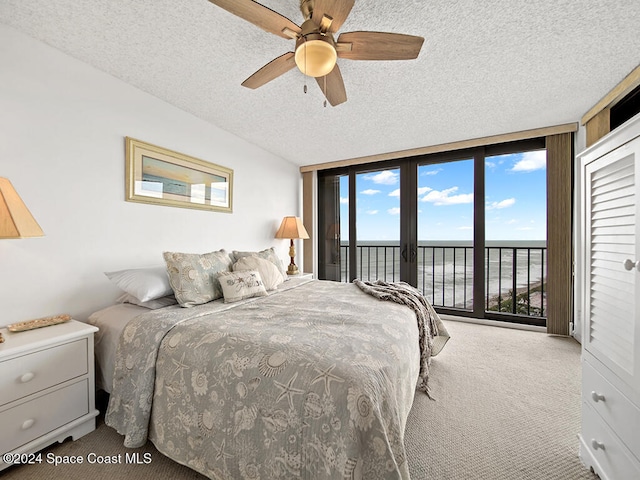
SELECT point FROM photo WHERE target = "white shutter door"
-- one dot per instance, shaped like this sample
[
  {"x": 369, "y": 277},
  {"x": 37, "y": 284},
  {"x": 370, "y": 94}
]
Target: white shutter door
[{"x": 611, "y": 218}]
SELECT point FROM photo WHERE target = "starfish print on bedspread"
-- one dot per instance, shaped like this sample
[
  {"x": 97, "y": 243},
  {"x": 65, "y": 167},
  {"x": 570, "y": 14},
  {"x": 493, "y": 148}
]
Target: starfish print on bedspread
[
  {"x": 221, "y": 453},
  {"x": 180, "y": 366},
  {"x": 288, "y": 390},
  {"x": 327, "y": 376}
]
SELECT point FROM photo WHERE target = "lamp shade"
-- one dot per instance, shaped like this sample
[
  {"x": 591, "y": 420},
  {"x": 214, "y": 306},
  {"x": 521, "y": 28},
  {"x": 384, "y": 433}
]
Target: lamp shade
[
  {"x": 292, "y": 227},
  {"x": 16, "y": 220}
]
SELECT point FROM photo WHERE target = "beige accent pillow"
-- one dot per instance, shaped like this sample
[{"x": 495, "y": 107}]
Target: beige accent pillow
[
  {"x": 268, "y": 254},
  {"x": 269, "y": 273},
  {"x": 194, "y": 277},
  {"x": 237, "y": 286}
]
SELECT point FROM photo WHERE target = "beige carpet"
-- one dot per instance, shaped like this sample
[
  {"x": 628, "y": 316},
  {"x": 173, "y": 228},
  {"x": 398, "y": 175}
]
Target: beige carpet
[{"x": 507, "y": 408}]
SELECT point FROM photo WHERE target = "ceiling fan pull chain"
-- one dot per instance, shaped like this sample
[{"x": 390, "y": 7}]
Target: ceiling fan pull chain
[
  {"x": 305, "y": 68},
  {"x": 325, "y": 91}
]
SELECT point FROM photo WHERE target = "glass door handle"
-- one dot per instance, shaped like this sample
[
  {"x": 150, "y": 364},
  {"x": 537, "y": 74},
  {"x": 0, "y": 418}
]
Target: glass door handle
[{"x": 412, "y": 253}]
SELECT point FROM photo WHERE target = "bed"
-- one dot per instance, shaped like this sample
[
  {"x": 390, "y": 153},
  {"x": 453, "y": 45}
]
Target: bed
[{"x": 313, "y": 381}]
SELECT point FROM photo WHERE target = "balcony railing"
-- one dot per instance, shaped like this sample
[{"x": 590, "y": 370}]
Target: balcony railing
[{"x": 515, "y": 276}]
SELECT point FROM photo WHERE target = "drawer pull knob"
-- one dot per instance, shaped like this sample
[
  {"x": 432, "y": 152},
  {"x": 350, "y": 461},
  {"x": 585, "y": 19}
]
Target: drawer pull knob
[
  {"x": 597, "y": 445},
  {"x": 630, "y": 264},
  {"x": 29, "y": 423},
  {"x": 27, "y": 377},
  {"x": 596, "y": 397}
]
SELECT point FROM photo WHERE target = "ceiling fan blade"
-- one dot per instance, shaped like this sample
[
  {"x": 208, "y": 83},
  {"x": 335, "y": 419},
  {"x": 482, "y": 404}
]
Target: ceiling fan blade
[
  {"x": 338, "y": 10},
  {"x": 259, "y": 15},
  {"x": 334, "y": 91},
  {"x": 271, "y": 70},
  {"x": 379, "y": 46}
]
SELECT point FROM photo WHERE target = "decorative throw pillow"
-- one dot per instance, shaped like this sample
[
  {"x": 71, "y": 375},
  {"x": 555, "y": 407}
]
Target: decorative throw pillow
[
  {"x": 194, "y": 277},
  {"x": 237, "y": 286},
  {"x": 269, "y": 273},
  {"x": 268, "y": 254},
  {"x": 142, "y": 283}
]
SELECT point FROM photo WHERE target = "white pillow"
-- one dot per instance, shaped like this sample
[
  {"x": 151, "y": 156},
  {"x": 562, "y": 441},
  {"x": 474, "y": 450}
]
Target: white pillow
[
  {"x": 143, "y": 283},
  {"x": 154, "y": 304},
  {"x": 269, "y": 273},
  {"x": 237, "y": 286}
]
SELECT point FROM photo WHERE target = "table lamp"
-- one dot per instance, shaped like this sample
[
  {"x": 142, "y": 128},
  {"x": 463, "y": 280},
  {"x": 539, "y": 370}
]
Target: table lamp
[{"x": 292, "y": 228}]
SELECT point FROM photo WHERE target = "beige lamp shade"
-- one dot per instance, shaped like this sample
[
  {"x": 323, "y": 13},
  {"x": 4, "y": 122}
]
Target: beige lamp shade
[
  {"x": 16, "y": 220},
  {"x": 292, "y": 227}
]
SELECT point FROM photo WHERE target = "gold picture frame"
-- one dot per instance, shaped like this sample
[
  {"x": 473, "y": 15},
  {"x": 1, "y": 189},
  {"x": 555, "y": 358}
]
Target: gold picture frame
[{"x": 160, "y": 176}]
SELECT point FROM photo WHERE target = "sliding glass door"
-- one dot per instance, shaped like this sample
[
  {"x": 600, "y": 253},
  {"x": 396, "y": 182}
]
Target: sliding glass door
[
  {"x": 516, "y": 233},
  {"x": 433, "y": 221},
  {"x": 445, "y": 213},
  {"x": 377, "y": 225}
]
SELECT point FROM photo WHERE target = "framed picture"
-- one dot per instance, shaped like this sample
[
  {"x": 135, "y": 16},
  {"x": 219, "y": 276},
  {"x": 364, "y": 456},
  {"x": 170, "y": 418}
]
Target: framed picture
[{"x": 163, "y": 177}]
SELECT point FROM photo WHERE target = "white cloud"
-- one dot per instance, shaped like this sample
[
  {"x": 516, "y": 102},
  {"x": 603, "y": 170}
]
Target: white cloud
[
  {"x": 394, "y": 211},
  {"x": 395, "y": 193},
  {"x": 507, "y": 202},
  {"x": 444, "y": 197},
  {"x": 465, "y": 228},
  {"x": 531, "y": 161},
  {"x": 371, "y": 212},
  {"x": 370, "y": 191},
  {"x": 386, "y": 177},
  {"x": 344, "y": 199},
  {"x": 489, "y": 164},
  {"x": 432, "y": 172}
]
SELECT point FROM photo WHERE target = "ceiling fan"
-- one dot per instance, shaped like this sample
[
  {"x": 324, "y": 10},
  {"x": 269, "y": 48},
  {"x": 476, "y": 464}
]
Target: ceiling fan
[{"x": 316, "y": 50}]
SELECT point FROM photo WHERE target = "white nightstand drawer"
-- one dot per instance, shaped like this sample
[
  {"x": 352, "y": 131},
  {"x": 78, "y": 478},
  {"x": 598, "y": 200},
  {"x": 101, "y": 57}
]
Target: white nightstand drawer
[
  {"x": 606, "y": 449},
  {"x": 45, "y": 368},
  {"x": 24, "y": 422},
  {"x": 616, "y": 410}
]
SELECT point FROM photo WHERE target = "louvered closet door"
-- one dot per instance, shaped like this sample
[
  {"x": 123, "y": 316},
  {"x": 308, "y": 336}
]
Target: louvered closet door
[{"x": 612, "y": 299}]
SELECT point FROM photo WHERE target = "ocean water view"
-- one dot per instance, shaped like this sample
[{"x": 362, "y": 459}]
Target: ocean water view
[{"x": 445, "y": 270}]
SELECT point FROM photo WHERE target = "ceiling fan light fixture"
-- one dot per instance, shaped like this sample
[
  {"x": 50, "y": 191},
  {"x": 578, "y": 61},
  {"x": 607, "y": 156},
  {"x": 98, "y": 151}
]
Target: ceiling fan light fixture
[{"x": 315, "y": 55}]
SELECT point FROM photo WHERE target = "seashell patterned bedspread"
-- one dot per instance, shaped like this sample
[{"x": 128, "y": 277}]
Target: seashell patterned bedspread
[{"x": 314, "y": 381}]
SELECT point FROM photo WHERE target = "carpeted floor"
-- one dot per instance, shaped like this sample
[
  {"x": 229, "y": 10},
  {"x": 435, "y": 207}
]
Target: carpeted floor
[{"x": 507, "y": 408}]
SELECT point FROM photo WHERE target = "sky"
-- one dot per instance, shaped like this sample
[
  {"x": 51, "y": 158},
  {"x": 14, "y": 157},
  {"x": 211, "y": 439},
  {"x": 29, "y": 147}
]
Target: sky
[{"x": 515, "y": 200}]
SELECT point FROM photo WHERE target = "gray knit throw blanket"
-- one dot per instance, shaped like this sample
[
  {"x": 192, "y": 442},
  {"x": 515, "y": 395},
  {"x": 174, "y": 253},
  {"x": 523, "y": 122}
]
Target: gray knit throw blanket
[{"x": 432, "y": 333}]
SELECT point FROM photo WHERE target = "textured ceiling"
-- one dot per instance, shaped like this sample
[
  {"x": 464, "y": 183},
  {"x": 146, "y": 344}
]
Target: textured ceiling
[{"x": 486, "y": 67}]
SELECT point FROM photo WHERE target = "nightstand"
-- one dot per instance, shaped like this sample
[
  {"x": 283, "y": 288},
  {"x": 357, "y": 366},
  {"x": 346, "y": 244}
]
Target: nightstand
[
  {"x": 47, "y": 391},
  {"x": 306, "y": 276}
]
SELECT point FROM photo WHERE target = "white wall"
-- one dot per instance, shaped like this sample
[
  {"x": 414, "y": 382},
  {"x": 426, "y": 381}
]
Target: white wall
[{"x": 62, "y": 129}]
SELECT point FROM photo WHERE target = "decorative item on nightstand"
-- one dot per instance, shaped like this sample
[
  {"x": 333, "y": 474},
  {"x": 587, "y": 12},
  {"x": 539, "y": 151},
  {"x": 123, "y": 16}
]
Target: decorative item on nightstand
[
  {"x": 292, "y": 228},
  {"x": 16, "y": 220}
]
